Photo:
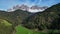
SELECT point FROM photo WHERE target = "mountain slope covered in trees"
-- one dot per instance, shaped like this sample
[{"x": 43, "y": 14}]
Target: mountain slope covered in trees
[
  {"x": 14, "y": 17},
  {"x": 48, "y": 19}
]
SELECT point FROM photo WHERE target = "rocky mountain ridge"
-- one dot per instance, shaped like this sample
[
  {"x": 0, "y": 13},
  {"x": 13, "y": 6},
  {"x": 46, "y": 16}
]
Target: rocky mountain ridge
[{"x": 32, "y": 9}]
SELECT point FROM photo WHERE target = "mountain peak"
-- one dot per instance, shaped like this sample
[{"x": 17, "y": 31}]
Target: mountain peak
[{"x": 24, "y": 7}]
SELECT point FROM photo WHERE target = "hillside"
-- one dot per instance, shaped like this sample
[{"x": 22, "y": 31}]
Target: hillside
[
  {"x": 14, "y": 17},
  {"x": 5, "y": 27},
  {"x": 22, "y": 30},
  {"x": 46, "y": 20},
  {"x": 41, "y": 21}
]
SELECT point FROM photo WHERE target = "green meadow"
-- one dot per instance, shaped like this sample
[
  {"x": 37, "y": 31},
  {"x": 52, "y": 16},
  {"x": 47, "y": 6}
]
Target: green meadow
[{"x": 22, "y": 30}]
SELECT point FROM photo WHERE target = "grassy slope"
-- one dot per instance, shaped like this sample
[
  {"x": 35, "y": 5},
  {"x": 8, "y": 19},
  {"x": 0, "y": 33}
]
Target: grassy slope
[
  {"x": 5, "y": 27},
  {"x": 5, "y": 22},
  {"x": 23, "y": 30}
]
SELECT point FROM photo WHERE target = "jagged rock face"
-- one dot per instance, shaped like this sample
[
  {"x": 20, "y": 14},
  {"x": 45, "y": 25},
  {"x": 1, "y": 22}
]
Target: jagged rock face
[
  {"x": 24, "y": 7},
  {"x": 35, "y": 7},
  {"x": 27, "y": 8},
  {"x": 48, "y": 19}
]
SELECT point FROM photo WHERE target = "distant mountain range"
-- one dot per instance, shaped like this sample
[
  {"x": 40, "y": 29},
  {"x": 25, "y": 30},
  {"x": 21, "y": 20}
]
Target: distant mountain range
[{"x": 32, "y": 9}]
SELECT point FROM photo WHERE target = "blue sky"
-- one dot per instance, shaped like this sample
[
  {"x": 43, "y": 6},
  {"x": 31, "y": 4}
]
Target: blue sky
[{"x": 6, "y": 4}]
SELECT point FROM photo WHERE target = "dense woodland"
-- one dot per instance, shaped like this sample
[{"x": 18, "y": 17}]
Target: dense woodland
[{"x": 46, "y": 20}]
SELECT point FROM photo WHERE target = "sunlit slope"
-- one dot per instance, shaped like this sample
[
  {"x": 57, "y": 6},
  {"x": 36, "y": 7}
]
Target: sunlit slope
[
  {"x": 5, "y": 27},
  {"x": 22, "y": 30}
]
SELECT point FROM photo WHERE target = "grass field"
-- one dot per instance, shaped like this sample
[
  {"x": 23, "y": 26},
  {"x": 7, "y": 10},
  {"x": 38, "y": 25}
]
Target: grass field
[
  {"x": 5, "y": 27},
  {"x": 23, "y": 30},
  {"x": 6, "y": 23}
]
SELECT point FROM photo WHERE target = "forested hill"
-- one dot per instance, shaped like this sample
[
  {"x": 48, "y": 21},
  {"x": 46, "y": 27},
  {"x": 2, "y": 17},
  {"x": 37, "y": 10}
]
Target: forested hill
[
  {"x": 14, "y": 17},
  {"x": 48, "y": 19}
]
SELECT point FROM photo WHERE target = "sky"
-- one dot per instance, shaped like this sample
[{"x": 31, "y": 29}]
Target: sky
[{"x": 6, "y": 4}]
